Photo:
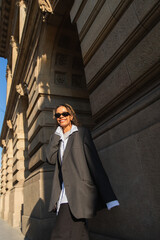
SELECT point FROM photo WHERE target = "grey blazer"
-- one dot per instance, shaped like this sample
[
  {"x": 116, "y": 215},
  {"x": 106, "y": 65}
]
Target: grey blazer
[{"x": 84, "y": 178}]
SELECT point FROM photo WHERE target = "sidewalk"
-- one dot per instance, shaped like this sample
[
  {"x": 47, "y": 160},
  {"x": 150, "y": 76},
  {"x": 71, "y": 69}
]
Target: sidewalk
[{"x": 9, "y": 233}]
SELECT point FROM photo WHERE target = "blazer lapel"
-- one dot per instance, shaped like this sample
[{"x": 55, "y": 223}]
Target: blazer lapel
[
  {"x": 68, "y": 146},
  {"x": 59, "y": 156}
]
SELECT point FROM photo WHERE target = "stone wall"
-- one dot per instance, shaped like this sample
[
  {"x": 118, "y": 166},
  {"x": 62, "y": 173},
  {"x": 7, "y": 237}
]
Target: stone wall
[
  {"x": 57, "y": 76},
  {"x": 46, "y": 70},
  {"x": 120, "y": 42}
]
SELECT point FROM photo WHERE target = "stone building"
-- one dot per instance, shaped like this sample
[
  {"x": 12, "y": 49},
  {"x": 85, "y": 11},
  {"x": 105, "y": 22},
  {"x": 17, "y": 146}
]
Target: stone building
[{"x": 103, "y": 58}]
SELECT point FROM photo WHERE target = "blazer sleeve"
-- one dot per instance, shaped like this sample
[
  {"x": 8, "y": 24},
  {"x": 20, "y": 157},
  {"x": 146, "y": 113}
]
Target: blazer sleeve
[
  {"x": 96, "y": 169},
  {"x": 52, "y": 149}
]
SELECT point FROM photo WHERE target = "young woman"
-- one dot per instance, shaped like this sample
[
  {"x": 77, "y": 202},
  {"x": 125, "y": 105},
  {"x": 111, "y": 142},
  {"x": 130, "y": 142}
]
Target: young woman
[{"x": 79, "y": 179}]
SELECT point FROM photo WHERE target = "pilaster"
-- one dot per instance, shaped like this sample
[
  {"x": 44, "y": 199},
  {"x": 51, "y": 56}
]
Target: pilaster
[
  {"x": 14, "y": 46},
  {"x": 9, "y": 163},
  {"x": 2, "y": 189},
  {"x": 0, "y": 196},
  {"x": 20, "y": 158},
  {"x": 9, "y": 169},
  {"x": 9, "y": 81},
  {"x": 22, "y": 16},
  {"x": 3, "y": 184}
]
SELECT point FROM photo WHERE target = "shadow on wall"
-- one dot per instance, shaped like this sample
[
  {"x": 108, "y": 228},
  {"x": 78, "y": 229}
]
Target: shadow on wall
[{"x": 39, "y": 228}]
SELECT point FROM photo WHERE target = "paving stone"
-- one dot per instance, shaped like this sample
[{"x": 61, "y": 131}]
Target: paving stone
[{"x": 9, "y": 233}]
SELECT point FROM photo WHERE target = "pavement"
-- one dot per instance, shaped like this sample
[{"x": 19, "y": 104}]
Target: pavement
[{"x": 9, "y": 233}]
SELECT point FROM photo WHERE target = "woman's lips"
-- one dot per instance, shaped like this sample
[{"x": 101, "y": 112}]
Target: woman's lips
[{"x": 63, "y": 120}]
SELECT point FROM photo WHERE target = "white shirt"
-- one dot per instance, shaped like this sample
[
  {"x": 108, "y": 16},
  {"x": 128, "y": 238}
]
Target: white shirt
[{"x": 64, "y": 139}]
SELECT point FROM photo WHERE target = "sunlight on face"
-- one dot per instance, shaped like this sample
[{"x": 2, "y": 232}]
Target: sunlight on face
[{"x": 64, "y": 122}]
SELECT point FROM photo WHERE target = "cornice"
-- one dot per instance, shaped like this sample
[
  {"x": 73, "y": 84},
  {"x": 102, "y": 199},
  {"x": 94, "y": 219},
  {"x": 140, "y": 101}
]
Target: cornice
[{"x": 7, "y": 11}]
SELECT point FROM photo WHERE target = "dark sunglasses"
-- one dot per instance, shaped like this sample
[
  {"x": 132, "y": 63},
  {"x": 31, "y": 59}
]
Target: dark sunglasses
[{"x": 64, "y": 114}]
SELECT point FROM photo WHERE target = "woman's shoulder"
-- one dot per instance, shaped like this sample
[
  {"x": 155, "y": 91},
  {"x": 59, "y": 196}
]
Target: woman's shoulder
[{"x": 82, "y": 129}]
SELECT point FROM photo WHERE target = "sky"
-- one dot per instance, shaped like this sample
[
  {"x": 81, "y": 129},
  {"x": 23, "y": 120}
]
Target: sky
[{"x": 3, "y": 86}]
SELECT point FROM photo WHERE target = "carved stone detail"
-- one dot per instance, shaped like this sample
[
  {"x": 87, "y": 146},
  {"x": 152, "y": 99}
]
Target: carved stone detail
[
  {"x": 13, "y": 43},
  {"x": 61, "y": 59},
  {"x": 9, "y": 124},
  {"x": 22, "y": 89},
  {"x": 45, "y": 6},
  {"x": 8, "y": 72},
  {"x": 20, "y": 3},
  {"x": 4, "y": 143},
  {"x": 60, "y": 78}
]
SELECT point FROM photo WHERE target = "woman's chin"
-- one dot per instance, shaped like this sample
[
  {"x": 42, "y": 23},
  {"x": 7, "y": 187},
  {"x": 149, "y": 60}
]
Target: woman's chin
[{"x": 63, "y": 125}]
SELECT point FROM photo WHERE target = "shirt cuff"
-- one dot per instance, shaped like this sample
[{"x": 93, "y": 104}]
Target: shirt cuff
[{"x": 112, "y": 204}]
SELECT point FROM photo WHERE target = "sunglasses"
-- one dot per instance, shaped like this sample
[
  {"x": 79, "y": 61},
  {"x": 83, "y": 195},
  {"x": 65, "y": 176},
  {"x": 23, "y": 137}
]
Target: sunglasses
[{"x": 64, "y": 114}]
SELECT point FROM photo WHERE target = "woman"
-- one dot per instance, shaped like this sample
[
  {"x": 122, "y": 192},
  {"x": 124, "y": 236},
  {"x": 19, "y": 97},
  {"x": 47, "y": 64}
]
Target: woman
[{"x": 79, "y": 179}]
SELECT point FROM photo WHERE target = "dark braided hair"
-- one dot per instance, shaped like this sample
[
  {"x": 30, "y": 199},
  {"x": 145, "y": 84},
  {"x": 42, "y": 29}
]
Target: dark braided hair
[{"x": 71, "y": 111}]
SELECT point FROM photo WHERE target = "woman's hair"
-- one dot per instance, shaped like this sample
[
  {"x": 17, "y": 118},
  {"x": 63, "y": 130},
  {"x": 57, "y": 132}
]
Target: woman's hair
[{"x": 71, "y": 111}]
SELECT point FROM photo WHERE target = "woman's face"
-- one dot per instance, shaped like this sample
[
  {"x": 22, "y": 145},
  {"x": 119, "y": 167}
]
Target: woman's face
[{"x": 64, "y": 121}]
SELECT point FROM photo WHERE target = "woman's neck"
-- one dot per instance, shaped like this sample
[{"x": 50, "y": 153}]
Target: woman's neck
[{"x": 67, "y": 128}]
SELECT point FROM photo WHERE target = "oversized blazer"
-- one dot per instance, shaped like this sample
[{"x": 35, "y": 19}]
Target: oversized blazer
[{"x": 83, "y": 175}]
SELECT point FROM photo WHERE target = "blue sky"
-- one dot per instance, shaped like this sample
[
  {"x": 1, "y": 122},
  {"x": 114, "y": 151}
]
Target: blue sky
[{"x": 3, "y": 85}]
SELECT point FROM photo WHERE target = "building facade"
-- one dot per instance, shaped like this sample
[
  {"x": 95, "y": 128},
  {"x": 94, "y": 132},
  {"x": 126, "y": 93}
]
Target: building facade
[{"x": 103, "y": 58}]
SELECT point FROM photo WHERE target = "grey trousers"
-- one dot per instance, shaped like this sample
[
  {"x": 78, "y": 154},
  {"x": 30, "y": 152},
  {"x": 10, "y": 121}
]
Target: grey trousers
[{"x": 67, "y": 227}]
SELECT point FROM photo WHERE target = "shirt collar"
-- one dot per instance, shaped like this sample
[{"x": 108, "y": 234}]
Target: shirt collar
[{"x": 59, "y": 131}]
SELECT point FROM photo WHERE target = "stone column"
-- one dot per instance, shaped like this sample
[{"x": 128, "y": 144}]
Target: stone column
[
  {"x": 22, "y": 16},
  {"x": 20, "y": 158},
  {"x": 9, "y": 165},
  {"x": 9, "y": 169},
  {"x": 3, "y": 181},
  {"x": 2, "y": 190},
  {"x": 14, "y": 52},
  {"x": 0, "y": 196}
]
